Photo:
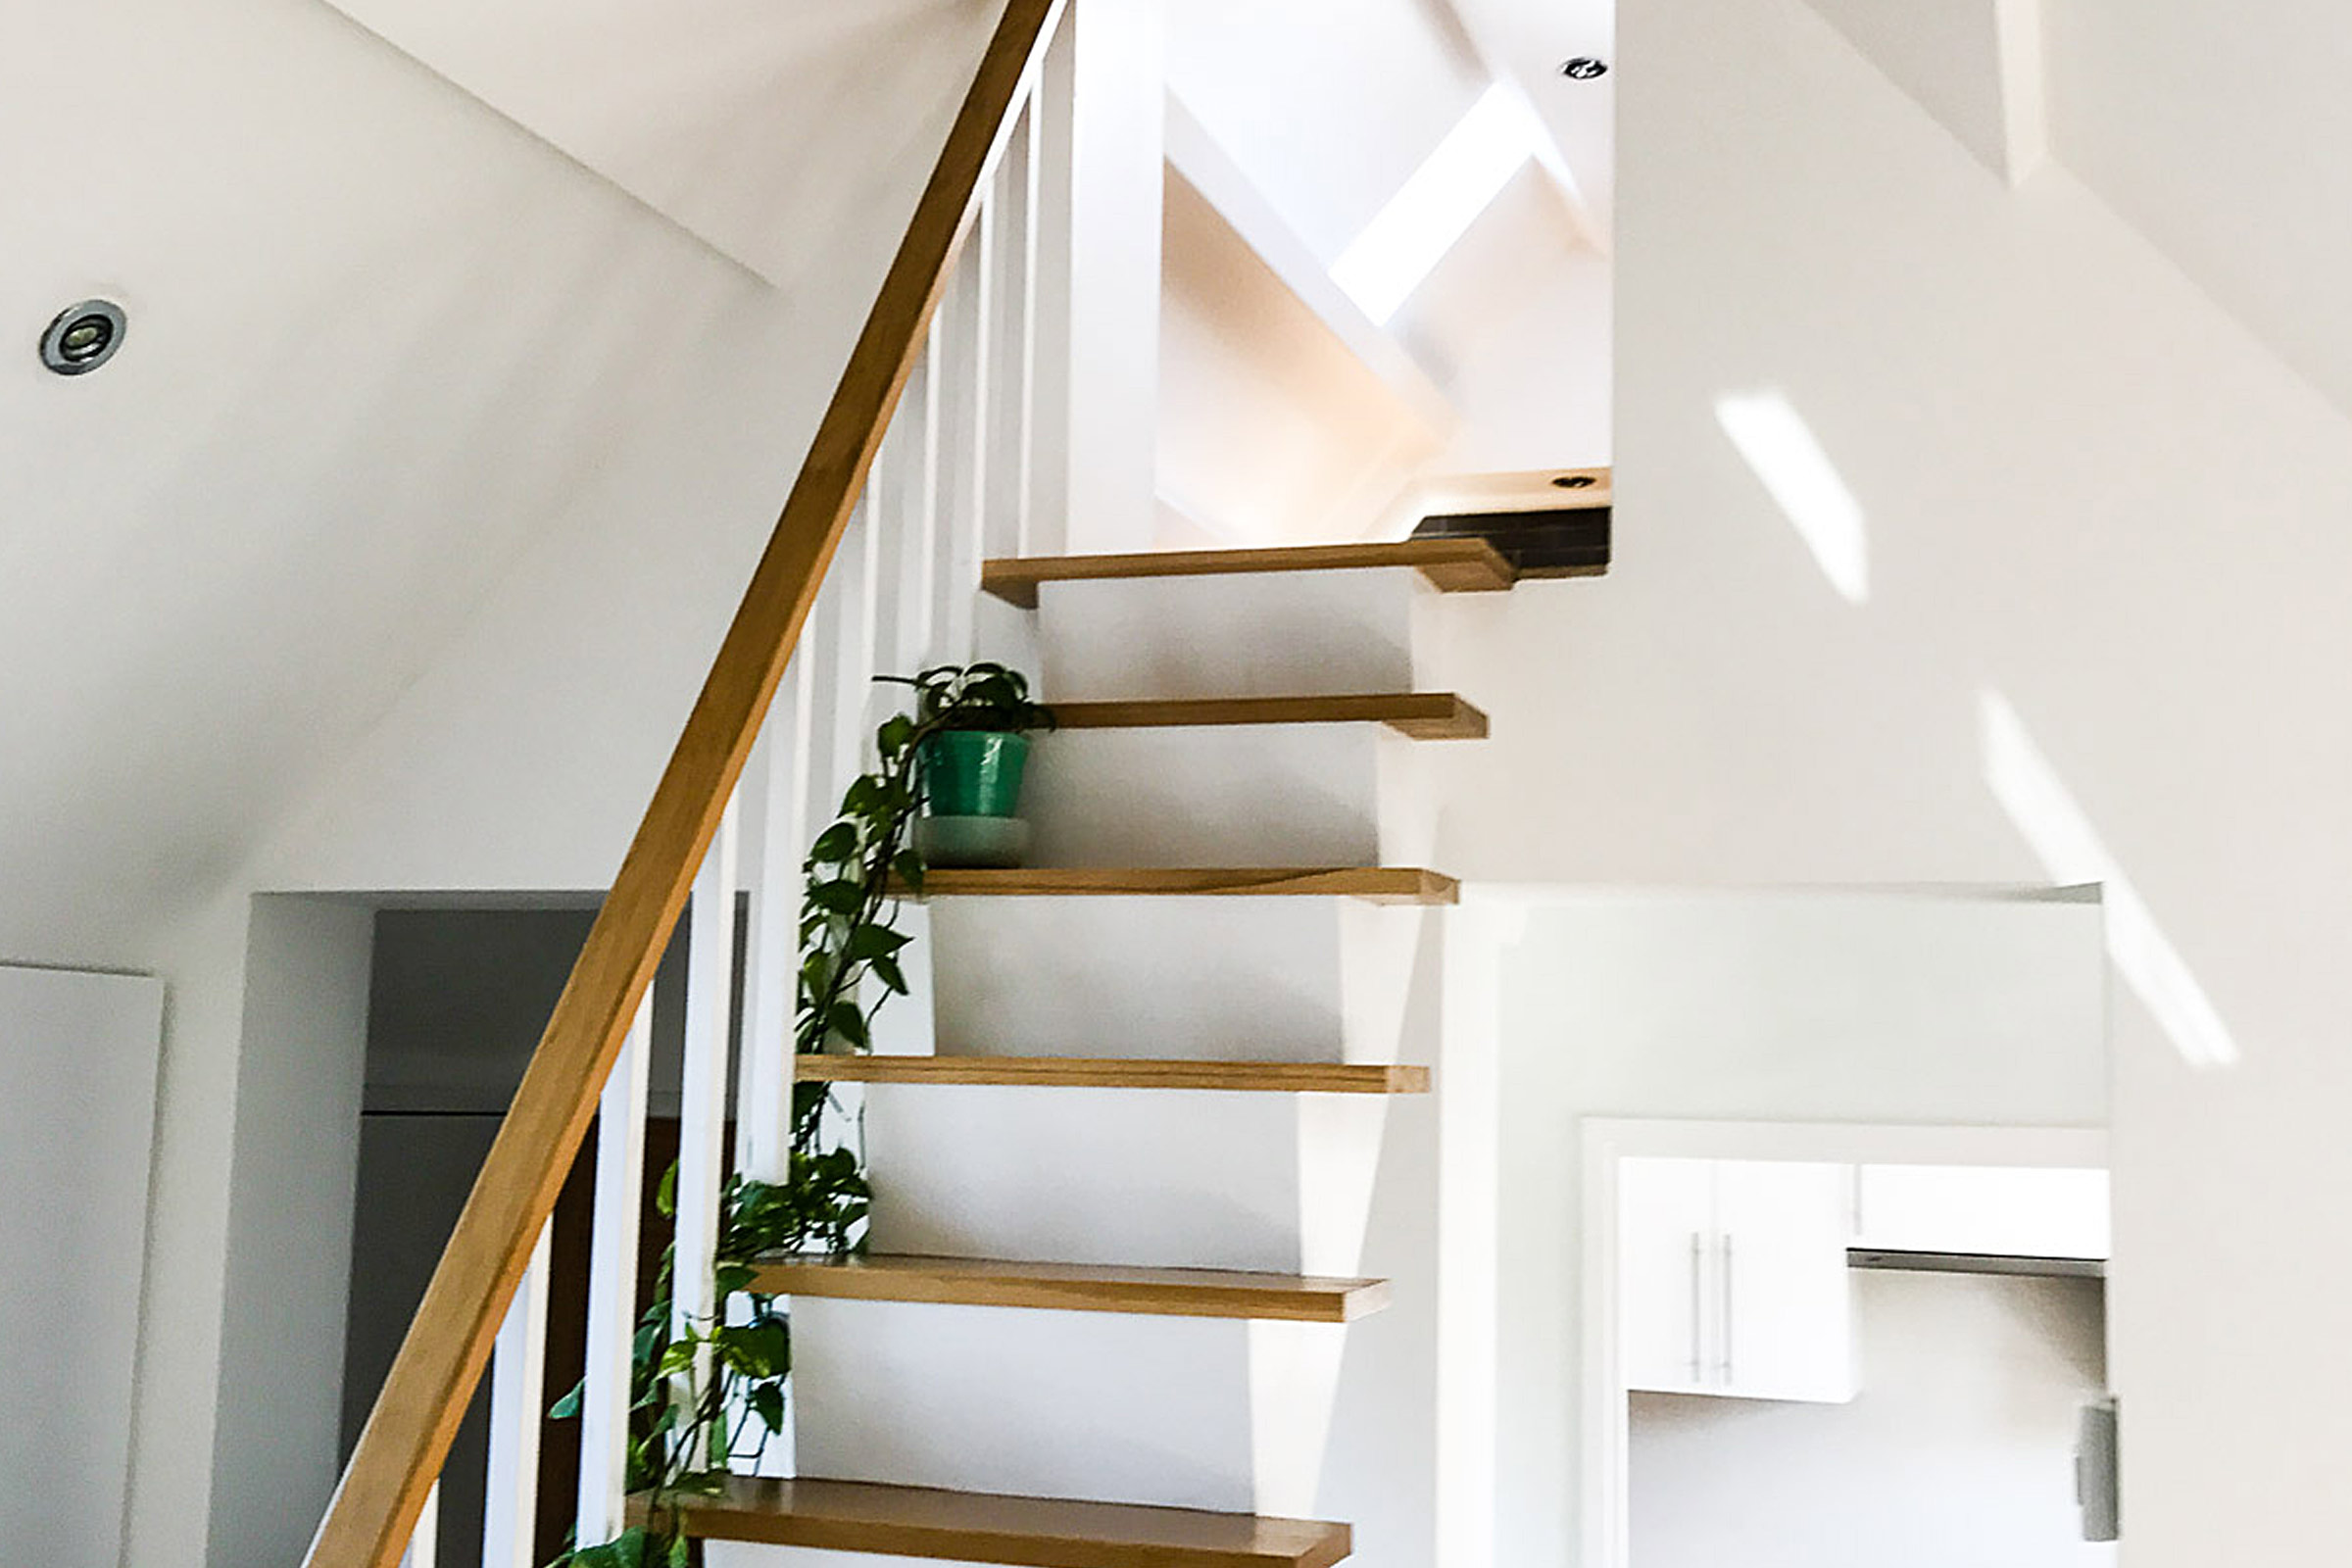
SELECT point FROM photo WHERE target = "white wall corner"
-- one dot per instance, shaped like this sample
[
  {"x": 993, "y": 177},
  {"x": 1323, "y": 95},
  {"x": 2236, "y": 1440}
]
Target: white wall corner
[
  {"x": 1195, "y": 153},
  {"x": 2025, "y": 86}
]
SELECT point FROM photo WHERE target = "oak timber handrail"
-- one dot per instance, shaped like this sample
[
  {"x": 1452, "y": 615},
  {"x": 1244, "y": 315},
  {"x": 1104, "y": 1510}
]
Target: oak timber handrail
[{"x": 401, "y": 1450}]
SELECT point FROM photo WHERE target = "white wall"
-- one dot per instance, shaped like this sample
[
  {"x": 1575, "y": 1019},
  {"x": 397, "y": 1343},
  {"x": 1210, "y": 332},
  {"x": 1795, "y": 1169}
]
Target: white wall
[
  {"x": 1876, "y": 1008},
  {"x": 287, "y": 1273},
  {"x": 1959, "y": 1452},
  {"x": 2027, "y": 402},
  {"x": 77, "y": 1075}
]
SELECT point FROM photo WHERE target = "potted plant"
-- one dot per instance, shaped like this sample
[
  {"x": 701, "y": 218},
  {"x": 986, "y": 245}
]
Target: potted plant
[{"x": 974, "y": 724}]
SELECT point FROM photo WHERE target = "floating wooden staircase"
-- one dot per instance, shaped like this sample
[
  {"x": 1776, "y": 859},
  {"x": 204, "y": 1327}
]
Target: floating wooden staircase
[
  {"x": 1034, "y": 1532},
  {"x": 1074, "y": 1288},
  {"x": 981, "y": 1527},
  {"x": 1375, "y": 884},
  {"x": 1450, "y": 565},
  {"x": 1120, "y": 1072},
  {"x": 1099, "y": 1387},
  {"x": 1419, "y": 716}
]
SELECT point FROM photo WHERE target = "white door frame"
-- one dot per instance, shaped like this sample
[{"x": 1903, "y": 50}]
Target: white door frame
[{"x": 1608, "y": 1140}]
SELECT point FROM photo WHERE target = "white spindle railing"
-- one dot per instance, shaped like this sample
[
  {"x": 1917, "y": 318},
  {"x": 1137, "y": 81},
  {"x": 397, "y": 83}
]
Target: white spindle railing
[
  {"x": 964, "y": 471},
  {"x": 518, "y": 1408}
]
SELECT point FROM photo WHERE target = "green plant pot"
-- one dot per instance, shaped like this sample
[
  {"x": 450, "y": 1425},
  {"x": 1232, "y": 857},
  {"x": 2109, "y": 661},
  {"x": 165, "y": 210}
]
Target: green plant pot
[{"x": 973, "y": 773}]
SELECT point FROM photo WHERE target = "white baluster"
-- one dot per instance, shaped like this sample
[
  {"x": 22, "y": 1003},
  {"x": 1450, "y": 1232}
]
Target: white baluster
[
  {"x": 1028, "y": 155},
  {"x": 702, "y": 1106},
  {"x": 856, "y": 633},
  {"x": 778, "y": 792},
  {"x": 1052, "y": 109},
  {"x": 424, "y": 1542},
  {"x": 960, "y": 360},
  {"x": 927, "y": 545},
  {"x": 612, "y": 1287},
  {"x": 517, "y": 1406}
]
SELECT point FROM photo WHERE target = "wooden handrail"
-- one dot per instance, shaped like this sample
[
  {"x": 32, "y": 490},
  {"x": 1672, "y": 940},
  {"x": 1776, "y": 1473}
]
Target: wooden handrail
[{"x": 407, "y": 1438}]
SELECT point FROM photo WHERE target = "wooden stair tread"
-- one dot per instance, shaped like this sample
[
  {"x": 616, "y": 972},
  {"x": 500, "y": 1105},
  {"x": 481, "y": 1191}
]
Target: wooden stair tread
[
  {"x": 1423, "y": 716},
  {"x": 978, "y": 1527},
  {"x": 1073, "y": 1286},
  {"x": 1380, "y": 884},
  {"x": 1451, "y": 565},
  {"x": 1119, "y": 1073}
]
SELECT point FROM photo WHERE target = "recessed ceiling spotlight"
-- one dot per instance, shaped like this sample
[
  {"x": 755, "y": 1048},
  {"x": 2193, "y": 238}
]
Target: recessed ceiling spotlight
[
  {"x": 83, "y": 337},
  {"x": 1584, "y": 67}
]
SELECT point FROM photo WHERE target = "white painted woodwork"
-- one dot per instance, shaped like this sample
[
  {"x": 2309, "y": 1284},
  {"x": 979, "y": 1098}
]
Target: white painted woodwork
[
  {"x": 518, "y": 1408},
  {"x": 1100, "y": 284},
  {"x": 424, "y": 1542},
  {"x": 1784, "y": 1326},
  {"x": 612, "y": 1285},
  {"x": 2020, "y": 1212},
  {"x": 702, "y": 1099},
  {"x": 1665, "y": 1239},
  {"x": 959, "y": 1172},
  {"x": 1733, "y": 1279},
  {"x": 1280, "y": 634},
  {"x": 1090, "y": 1404},
  {"x": 1072, "y": 976},
  {"x": 775, "y": 786}
]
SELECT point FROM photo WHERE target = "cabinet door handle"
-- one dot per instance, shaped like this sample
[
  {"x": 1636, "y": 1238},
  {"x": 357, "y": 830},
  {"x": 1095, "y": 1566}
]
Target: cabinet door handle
[
  {"x": 1698, "y": 1307},
  {"x": 1727, "y": 1308}
]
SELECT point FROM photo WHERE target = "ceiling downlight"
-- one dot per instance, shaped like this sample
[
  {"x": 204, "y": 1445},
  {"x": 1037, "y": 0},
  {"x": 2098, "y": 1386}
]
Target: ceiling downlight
[{"x": 83, "y": 337}]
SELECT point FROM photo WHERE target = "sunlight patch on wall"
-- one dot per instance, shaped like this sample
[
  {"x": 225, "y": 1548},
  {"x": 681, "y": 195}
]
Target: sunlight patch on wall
[
  {"x": 1787, "y": 458},
  {"x": 1429, "y": 215},
  {"x": 2056, "y": 826}
]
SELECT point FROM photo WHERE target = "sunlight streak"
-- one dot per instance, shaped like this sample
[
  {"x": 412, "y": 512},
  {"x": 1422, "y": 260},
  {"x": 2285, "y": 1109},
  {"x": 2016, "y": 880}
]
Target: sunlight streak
[
  {"x": 2062, "y": 836},
  {"x": 1801, "y": 480},
  {"x": 1429, "y": 215}
]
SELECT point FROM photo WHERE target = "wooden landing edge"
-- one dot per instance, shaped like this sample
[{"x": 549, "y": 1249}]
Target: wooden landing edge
[
  {"x": 1451, "y": 565},
  {"x": 1073, "y": 1288},
  {"x": 1373, "y": 884},
  {"x": 978, "y": 1527},
  {"x": 1421, "y": 716},
  {"x": 1119, "y": 1073}
]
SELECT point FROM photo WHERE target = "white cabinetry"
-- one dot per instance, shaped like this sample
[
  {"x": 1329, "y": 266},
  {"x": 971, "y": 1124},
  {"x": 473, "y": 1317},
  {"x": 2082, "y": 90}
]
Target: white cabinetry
[
  {"x": 1732, "y": 1278},
  {"x": 1981, "y": 1209}
]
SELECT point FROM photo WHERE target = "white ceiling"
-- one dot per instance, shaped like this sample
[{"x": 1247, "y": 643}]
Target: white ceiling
[
  {"x": 703, "y": 108},
  {"x": 383, "y": 344},
  {"x": 1526, "y": 42},
  {"x": 2219, "y": 130}
]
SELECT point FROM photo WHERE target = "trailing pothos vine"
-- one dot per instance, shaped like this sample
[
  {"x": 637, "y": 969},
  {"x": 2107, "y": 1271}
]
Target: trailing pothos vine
[{"x": 687, "y": 1428}]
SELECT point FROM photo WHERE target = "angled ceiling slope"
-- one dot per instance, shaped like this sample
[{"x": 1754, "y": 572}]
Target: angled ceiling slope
[
  {"x": 1976, "y": 66},
  {"x": 708, "y": 110}
]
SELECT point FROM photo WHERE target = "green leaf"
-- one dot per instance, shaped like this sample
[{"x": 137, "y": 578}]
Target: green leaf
[
  {"x": 569, "y": 1408},
  {"x": 837, "y": 897},
  {"x": 761, "y": 1349},
  {"x": 733, "y": 1277},
  {"x": 874, "y": 942},
  {"x": 849, "y": 1023},
  {"x": 836, "y": 844},
  {"x": 665, "y": 1197},
  {"x": 768, "y": 1404},
  {"x": 886, "y": 970}
]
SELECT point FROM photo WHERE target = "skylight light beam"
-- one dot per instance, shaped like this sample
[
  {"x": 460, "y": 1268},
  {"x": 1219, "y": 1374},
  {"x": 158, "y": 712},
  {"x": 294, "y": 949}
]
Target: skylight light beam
[
  {"x": 1781, "y": 448},
  {"x": 1429, "y": 215},
  {"x": 2060, "y": 834}
]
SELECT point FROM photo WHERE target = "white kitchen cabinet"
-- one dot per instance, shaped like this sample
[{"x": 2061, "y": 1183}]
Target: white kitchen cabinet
[
  {"x": 1987, "y": 1209},
  {"x": 1733, "y": 1279}
]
